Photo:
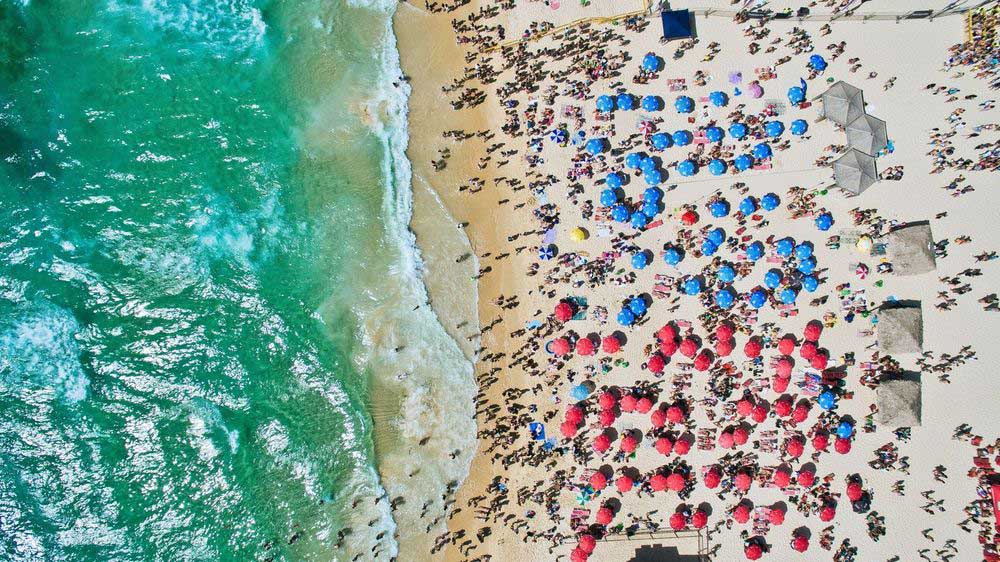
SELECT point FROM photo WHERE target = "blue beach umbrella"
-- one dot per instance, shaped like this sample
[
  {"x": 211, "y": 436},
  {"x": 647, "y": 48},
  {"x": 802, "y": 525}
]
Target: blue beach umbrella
[
  {"x": 845, "y": 430},
  {"x": 743, "y": 162},
  {"x": 717, "y": 236},
  {"x": 661, "y": 141},
  {"x": 692, "y": 286},
  {"x": 605, "y": 104},
  {"x": 640, "y": 260},
  {"x": 714, "y": 134},
  {"x": 595, "y": 146},
  {"x": 684, "y": 104},
  {"x": 824, "y": 221},
  {"x": 787, "y": 296},
  {"x": 817, "y": 62},
  {"x": 718, "y": 98},
  {"x": 716, "y": 167},
  {"x": 637, "y": 305},
  {"x": 619, "y": 213},
  {"x": 546, "y": 252},
  {"x": 748, "y": 206},
  {"x": 785, "y": 247},
  {"x": 738, "y": 130},
  {"x": 810, "y": 284},
  {"x": 772, "y": 279},
  {"x": 639, "y": 220},
  {"x": 652, "y": 195},
  {"x": 579, "y": 392},
  {"x": 634, "y": 159},
  {"x": 827, "y": 400},
  {"x": 799, "y": 127},
  {"x": 625, "y": 102},
  {"x": 626, "y": 317},
  {"x": 608, "y": 197},
  {"x": 651, "y": 62},
  {"x": 774, "y": 128},
  {"x": 682, "y": 137},
  {"x": 719, "y": 208},
  {"x": 648, "y": 164},
  {"x": 761, "y": 151},
  {"x": 803, "y": 251},
  {"x": 651, "y": 103},
  {"x": 687, "y": 168},
  {"x": 673, "y": 256},
  {"x": 755, "y": 251},
  {"x": 650, "y": 208},
  {"x": 769, "y": 202},
  {"x": 614, "y": 180},
  {"x": 796, "y": 95},
  {"x": 724, "y": 298},
  {"x": 709, "y": 248},
  {"x": 653, "y": 177},
  {"x": 558, "y": 135},
  {"x": 726, "y": 273},
  {"x": 807, "y": 265},
  {"x": 758, "y": 298}
]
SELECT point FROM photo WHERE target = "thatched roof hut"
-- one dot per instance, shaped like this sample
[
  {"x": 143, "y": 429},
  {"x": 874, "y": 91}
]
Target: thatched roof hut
[
  {"x": 911, "y": 249},
  {"x": 900, "y": 328},
  {"x": 898, "y": 398}
]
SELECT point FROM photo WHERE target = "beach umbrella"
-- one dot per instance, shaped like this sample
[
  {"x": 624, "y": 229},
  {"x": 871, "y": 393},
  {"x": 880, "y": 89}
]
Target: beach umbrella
[
  {"x": 672, "y": 256},
  {"x": 634, "y": 159},
  {"x": 614, "y": 180},
  {"x": 817, "y": 63},
  {"x": 625, "y": 102},
  {"x": 740, "y": 435},
  {"x": 841, "y": 445},
  {"x": 640, "y": 260},
  {"x": 827, "y": 512},
  {"x": 759, "y": 413},
  {"x": 699, "y": 519},
  {"x": 651, "y": 62},
  {"x": 637, "y": 305},
  {"x": 796, "y": 95},
  {"x": 708, "y": 247},
  {"x": 714, "y": 134},
  {"x": 564, "y": 311},
  {"x": 773, "y": 129},
  {"x": 785, "y": 247},
  {"x": 587, "y": 543},
  {"x": 755, "y": 251},
  {"x": 682, "y": 447},
  {"x": 753, "y": 348},
  {"x": 558, "y": 135},
  {"x": 578, "y": 234},
  {"x": 560, "y": 346},
  {"x": 819, "y": 361},
  {"x": 803, "y": 251},
  {"x": 854, "y": 491},
  {"x": 845, "y": 429},
  {"x": 667, "y": 332},
  {"x": 810, "y": 283},
  {"x": 648, "y": 164},
  {"x": 776, "y": 516},
  {"x": 658, "y": 418},
  {"x": 608, "y": 198},
  {"x": 755, "y": 90},
  {"x": 639, "y": 220},
  {"x": 602, "y": 443},
  {"x": 598, "y": 480},
  {"x": 653, "y": 177},
  {"x": 656, "y": 363},
  {"x": 782, "y": 478},
  {"x": 651, "y": 103},
  {"x": 783, "y": 407},
  {"x": 743, "y": 407},
  {"x": 574, "y": 415},
  {"x": 743, "y": 162},
  {"x": 568, "y": 429},
  {"x": 619, "y": 213},
  {"x": 610, "y": 344},
  {"x": 585, "y": 346},
  {"x": 772, "y": 279},
  {"x": 824, "y": 221},
  {"x": 812, "y": 331},
  {"x": 807, "y": 265},
  {"x": 664, "y": 446},
  {"x": 753, "y": 551},
  {"x": 808, "y": 350},
  {"x": 738, "y": 131},
  {"x": 661, "y": 141},
  {"x": 689, "y": 347},
  {"x": 604, "y": 516},
  {"x": 677, "y": 521},
  {"x": 675, "y": 414},
  {"x": 716, "y": 167},
  {"x": 595, "y": 146},
  {"x": 629, "y": 444},
  {"x": 684, "y": 104},
  {"x": 726, "y": 440},
  {"x": 704, "y": 359},
  {"x": 799, "y": 127},
  {"x": 717, "y": 235},
  {"x": 578, "y": 555},
  {"x": 658, "y": 482},
  {"x": 726, "y": 274},
  {"x": 794, "y": 447},
  {"x": 675, "y": 482},
  {"x": 800, "y": 543},
  {"x": 827, "y": 400},
  {"x": 800, "y": 413},
  {"x": 758, "y": 298},
  {"x": 712, "y": 478},
  {"x": 748, "y": 206},
  {"x": 720, "y": 207},
  {"x": 652, "y": 195},
  {"x": 605, "y": 104},
  {"x": 692, "y": 286},
  {"x": 806, "y": 478},
  {"x": 682, "y": 137},
  {"x": 769, "y": 202},
  {"x": 546, "y": 252},
  {"x": 628, "y": 402},
  {"x": 718, "y": 98},
  {"x": 644, "y": 404},
  {"x": 579, "y": 392},
  {"x": 787, "y": 296},
  {"x": 689, "y": 218},
  {"x": 624, "y": 484},
  {"x": 741, "y": 514},
  {"x": 650, "y": 208},
  {"x": 784, "y": 367},
  {"x": 786, "y": 345},
  {"x": 625, "y": 317},
  {"x": 820, "y": 442},
  {"x": 761, "y": 151},
  {"x": 779, "y": 384}
]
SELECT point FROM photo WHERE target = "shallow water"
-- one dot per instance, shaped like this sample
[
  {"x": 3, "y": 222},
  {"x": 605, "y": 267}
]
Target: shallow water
[{"x": 209, "y": 298}]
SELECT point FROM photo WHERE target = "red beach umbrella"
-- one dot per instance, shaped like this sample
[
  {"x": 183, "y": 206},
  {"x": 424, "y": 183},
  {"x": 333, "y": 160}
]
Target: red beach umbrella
[
  {"x": 574, "y": 415},
  {"x": 564, "y": 311},
  {"x": 585, "y": 346},
  {"x": 605, "y": 516},
  {"x": 629, "y": 444},
  {"x": 784, "y": 367},
  {"x": 699, "y": 519},
  {"x": 806, "y": 478},
  {"x": 786, "y": 345},
  {"x": 628, "y": 403},
  {"x": 598, "y": 480},
  {"x": 668, "y": 347},
  {"x": 783, "y": 407},
  {"x": 744, "y": 407},
  {"x": 827, "y": 512},
  {"x": 776, "y": 516},
  {"x": 689, "y": 347},
  {"x": 656, "y": 363},
  {"x": 607, "y": 400},
  {"x": 819, "y": 361},
  {"x": 842, "y": 446},
  {"x": 759, "y": 413},
  {"x": 854, "y": 491},
  {"x": 560, "y": 346},
  {"x": 624, "y": 484},
  {"x": 795, "y": 447},
  {"x": 606, "y": 418},
  {"x": 723, "y": 348},
  {"x": 743, "y": 481},
  {"x": 742, "y": 513},
  {"x": 821, "y": 442},
  {"x": 753, "y": 552},
  {"x": 800, "y": 413},
  {"x": 800, "y": 543},
  {"x": 658, "y": 482},
  {"x": 664, "y": 446},
  {"x": 808, "y": 350},
  {"x": 740, "y": 436},
  {"x": 726, "y": 440},
  {"x": 610, "y": 344},
  {"x": 667, "y": 332},
  {"x": 578, "y": 555},
  {"x": 703, "y": 361},
  {"x": 724, "y": 332},
  {"x": 682, "y": 447},
  {"x": 689, "y": 218},
  {"x": 813, "y": 330},
  {"x": 587, "y": 543},
  {"x": 713, "y": 478},
  {"x": 568, "y": 429},
  {"x": 602, "y": 443},
  {"x": 675, "y": 414},
  {"x": 753, "y": 348},
  {"x": 675, "y": 482},
  {"x": 644, "y": 405},
  {"x": 779, "y": 383},
  {"x": 658, "y": 417},
  {"x": 782, "y": 478},
  {"x": 677, "y": 521}
]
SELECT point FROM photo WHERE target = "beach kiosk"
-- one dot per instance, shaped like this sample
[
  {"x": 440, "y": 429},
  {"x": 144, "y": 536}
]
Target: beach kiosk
[{"x": 676, "y": 24}]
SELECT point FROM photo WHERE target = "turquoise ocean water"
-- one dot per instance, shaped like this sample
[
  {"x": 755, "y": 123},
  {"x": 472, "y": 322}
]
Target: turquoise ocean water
[{"x": 212, "y": 332}]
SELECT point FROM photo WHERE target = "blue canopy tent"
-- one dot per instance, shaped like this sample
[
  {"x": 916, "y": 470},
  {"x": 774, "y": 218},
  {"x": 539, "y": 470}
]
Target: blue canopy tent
[
  {"x": 772, "y": 279},
  {"x": 788, "y": 296},
  {"x": 785, "y": 247},
  {"x": 676, "y": 24},
  {"x": 625, "y": 317},
  {"x": 807, "y": 266}
]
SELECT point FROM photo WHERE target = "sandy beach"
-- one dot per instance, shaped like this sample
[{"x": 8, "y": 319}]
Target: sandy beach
[{"x": 487, "y": 160}]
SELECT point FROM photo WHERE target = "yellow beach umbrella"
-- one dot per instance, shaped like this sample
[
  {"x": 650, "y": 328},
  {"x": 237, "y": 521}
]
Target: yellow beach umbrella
[
  {"x": 864, "y": 244},
  {"x": 578, "y": 234}
]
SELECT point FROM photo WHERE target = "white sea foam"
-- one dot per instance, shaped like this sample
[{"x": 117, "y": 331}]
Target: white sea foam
[{"x": 41, "y": 347}]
